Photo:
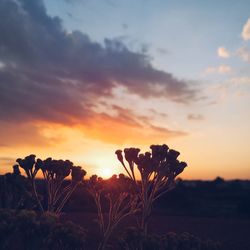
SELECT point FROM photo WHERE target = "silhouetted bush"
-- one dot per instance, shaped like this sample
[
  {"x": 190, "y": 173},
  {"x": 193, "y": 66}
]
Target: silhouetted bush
[
  {"x": 14, "y": 191},
  {"x": 134, "y": 239},
  {"x": 27, "y": 230}
]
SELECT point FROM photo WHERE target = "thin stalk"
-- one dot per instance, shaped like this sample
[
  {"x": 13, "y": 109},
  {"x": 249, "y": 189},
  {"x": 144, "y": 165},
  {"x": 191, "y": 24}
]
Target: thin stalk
[
  {"x": 36, "y": 195},
  {"x": 60, "y": 207},
  {"x": 99, "y": 212}
]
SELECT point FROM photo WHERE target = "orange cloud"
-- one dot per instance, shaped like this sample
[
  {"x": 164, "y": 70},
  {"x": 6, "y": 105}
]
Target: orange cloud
[{"x": 125, "y": 128}]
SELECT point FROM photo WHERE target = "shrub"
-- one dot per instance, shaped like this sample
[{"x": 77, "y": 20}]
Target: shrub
[
  {"x": 27, "y": 230},
  {"x": 14, "y": 192},
  {"x": 134, "y": 239}
]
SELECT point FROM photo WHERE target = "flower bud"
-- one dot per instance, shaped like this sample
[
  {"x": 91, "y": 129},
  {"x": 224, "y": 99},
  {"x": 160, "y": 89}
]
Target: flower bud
[{"x": 119, "y": 155}]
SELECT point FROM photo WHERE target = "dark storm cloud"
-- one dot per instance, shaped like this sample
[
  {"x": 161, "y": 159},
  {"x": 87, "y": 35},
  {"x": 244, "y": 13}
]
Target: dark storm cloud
[{"x": 49, "y": 74}]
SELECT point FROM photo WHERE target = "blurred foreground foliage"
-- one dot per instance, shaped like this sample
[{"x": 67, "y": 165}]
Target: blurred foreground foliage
[
  {"x": 134, "y": 239},
  {"x": 27, "y": 230},
  {"x": 15, "y": 192}
]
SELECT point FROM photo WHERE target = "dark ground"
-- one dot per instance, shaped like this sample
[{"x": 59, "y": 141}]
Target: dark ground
[
  {"x": 218, "y": 210},
  {"x": 232, "y": 233}
]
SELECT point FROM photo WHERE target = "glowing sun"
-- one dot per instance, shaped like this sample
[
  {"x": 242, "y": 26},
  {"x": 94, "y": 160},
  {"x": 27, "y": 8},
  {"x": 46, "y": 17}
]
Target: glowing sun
[{"x": 105, "y": 172}]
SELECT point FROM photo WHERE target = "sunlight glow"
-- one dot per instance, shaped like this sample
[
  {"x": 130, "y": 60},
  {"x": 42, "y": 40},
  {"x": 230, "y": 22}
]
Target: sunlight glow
[{"x": 105, "y": 173}]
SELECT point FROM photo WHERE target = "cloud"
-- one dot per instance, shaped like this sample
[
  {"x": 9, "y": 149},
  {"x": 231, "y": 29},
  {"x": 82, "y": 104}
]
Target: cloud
[
  {"x": 222, "y": 69},
  {"x": 2, "y": 65},
  {"x": 245, "y": 34},
  {"x": 244, "y": 54},
  {"x": 162, "y": 51},
  {"x": 243, "y": 80},
  {"x": 52, "y": 75},
  {"x": 195, "y": 117},
  {"x": 160, "y": 114},
  {"x": 25, "y": 134},
  {"x": 124, "y": 26},
  {"x": 223, "y": 52},
  {"x": 125, "y": 128},
  {"x": 6, "y": 163}
]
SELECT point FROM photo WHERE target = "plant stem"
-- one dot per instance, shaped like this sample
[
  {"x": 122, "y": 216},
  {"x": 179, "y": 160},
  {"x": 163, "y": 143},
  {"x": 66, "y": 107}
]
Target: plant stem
[{"x": 36, "y": 195}]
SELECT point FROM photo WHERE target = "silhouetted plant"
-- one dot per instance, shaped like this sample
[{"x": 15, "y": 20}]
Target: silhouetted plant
[
  {"x": 28, "y": 164},
  {"x": 28, "y": 230},
  {"x": 55, "y": 173},
  {"x": 120, "y": 205},
  {"x": 157, "y": 173},
  {"x": 14, "y": 192}
]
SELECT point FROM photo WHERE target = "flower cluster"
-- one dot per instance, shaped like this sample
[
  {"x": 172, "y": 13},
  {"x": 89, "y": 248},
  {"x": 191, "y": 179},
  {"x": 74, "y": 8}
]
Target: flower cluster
[
  {"x": 96, "y": 183},
  {"x": 54, "y": 173},
  {"x": 53, "y": 169},
  {"x": 161, "y": 160},
  {"x": 28, "y": 165},
  {"x": 58, "y": 169},
  {"x": 77, "y": 173},
  {"x": 157, "y": 172}
]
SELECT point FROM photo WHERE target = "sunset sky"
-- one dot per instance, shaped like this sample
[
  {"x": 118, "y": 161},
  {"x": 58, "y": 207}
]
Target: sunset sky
[{"x": 82, "y": 78}]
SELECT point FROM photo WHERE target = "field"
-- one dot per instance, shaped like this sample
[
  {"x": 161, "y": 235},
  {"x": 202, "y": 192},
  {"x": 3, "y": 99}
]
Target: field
[
  {"x": 216, "y": 210},
  {"x": 232, "y": 233}
]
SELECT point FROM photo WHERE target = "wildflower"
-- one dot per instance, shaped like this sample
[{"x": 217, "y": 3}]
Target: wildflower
[
  {"x": 16, "y": 170},
  {"x": 77, "y": 174},
  {"x": 157, "y": 172},
  {"x": 54, "y": 173},
  {"x": 119, "y": 155}
]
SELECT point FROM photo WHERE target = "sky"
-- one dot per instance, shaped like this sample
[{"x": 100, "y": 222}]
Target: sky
[{"x": 82, "y": 78}]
